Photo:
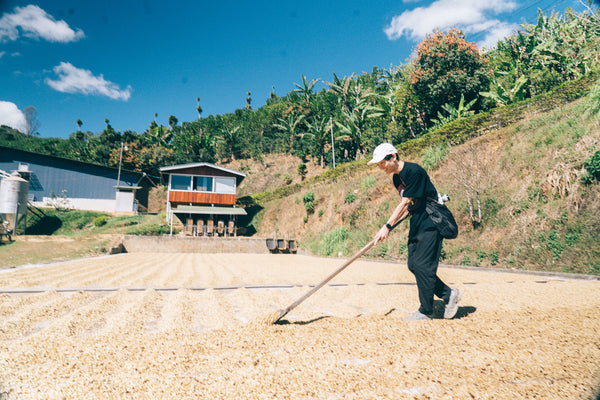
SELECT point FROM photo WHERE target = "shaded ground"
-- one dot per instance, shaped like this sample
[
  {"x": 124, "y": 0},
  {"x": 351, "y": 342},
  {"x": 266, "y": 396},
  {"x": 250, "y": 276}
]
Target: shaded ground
[
  {"x": 33, "y": 249},
  {"x": 166, "y": 326}
]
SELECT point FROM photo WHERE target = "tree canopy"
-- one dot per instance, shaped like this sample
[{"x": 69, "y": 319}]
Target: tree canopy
[{"x": 448, "y": 79}]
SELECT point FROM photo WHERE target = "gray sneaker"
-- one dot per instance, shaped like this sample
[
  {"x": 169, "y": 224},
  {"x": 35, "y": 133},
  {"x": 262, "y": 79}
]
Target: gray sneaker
[
  {"x": 452, "y": 307},
  {"x": 417, "y": 316}
]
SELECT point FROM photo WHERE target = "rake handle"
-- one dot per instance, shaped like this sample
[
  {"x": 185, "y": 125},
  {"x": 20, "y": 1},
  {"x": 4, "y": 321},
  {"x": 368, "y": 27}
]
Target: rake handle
[
  {"x": 324, "y": 282},
  {"x": 331, "y": 276}
]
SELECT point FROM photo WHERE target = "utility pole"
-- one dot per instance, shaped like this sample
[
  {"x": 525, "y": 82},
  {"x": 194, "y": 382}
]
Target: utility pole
[
  {"x": 120, "y": 160},
  {"x": 332, "y": 145}
]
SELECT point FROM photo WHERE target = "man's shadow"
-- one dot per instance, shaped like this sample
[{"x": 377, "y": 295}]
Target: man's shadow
[
  {"x": 463, "y": 311},
  {"x": 438, "y": 313},
  {"x": 286, "y": 322}
]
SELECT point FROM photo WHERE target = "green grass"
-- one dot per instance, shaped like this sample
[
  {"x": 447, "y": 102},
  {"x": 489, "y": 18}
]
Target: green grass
[{"x": 65, "y": 235}]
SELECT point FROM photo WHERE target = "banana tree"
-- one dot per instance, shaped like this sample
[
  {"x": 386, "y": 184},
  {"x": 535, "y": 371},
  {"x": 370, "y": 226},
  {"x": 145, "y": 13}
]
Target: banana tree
[
  {"x": 290, "y": 126},
  {"x": 454, "y": 112},
  {"x": 319, "y": 132},
  {"x": 306, "y": 89},
  {"x": 193, "y": 145},
  {"x": 231, "y": 137},
  {"x": 355, "y": 124},
  {"x": 503, "y": 96},
  {"x": 565, "y": 44},
  {"x": 341, "y": 87},
  {"x": 159, "y": 134}
]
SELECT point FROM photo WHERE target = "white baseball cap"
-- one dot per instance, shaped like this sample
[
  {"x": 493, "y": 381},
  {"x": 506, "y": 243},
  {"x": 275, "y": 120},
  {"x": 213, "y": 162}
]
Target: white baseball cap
[{"x": 381, "y": 151}]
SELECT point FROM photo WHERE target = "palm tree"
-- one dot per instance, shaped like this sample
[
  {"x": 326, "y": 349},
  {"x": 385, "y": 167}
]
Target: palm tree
[
  {"x": 79, "y": 123},
  {"x": 248, "y": 101}
]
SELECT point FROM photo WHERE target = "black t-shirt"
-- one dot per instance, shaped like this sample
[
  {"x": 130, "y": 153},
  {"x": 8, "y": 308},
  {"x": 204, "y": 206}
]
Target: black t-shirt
[{"x": 413, "y": 182}]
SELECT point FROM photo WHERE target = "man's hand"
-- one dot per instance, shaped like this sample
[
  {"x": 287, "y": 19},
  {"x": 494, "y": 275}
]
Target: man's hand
[{"x": 381, "y": 235}]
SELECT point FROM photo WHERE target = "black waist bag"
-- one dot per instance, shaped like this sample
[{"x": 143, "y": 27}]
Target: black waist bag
[{"x": 442, "y": 218}]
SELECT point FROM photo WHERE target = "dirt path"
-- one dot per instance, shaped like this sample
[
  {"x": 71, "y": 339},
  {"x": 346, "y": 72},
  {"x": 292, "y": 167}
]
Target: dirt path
[{"x": 517, "y": 336}]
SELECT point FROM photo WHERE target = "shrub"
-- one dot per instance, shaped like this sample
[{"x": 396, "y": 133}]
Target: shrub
[
  {"x": 309, "y": 202},
  {"x": 310, "y": 207},
  {"x": 592, "y": 166},
  {"x": 152, "y": 230},
  {"x": 100, "y": 221},
  {"x": 433, "y": 156},
  {"x": 302, "y": 170},
  {"x": 350, "y": 197},
  {"x": 308, "y": 197},
  {"x": 368, "y": 182},
  {"x": 494, "y": 257},
  {"x": 334, "y": 241}
]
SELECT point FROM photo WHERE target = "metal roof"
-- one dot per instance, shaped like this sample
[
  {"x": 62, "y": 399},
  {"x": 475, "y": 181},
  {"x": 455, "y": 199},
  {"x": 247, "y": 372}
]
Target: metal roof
[
  {"x": 173, "y": 168},
  {"x": 209, "y": 210}
]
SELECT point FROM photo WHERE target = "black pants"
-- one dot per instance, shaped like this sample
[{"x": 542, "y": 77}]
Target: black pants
[{"x": 423, "y": 259}]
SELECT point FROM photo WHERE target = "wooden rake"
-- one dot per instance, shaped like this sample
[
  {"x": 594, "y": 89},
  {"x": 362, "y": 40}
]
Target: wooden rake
[{"x": 295, "y": 304}]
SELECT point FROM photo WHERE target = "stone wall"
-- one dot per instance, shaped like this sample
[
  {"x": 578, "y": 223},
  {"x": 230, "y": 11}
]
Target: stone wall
[{"x": 186, "y": 244}]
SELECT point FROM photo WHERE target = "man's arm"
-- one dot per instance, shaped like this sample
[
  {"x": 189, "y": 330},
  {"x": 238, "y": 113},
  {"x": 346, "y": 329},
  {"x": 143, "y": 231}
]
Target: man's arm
[{"x": 400, "y": 213}]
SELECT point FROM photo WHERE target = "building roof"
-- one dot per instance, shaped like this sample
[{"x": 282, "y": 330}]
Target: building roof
[
  {"x": 179, "y": 168},
  {"x": 68, "y": 160}
]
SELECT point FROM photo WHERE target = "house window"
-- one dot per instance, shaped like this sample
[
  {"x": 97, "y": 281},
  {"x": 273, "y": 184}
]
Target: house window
[
  {"x": 203, "y": 184},
  {"x": 225, "y": 185},
  {"x": 180, "y": 182},
  {"x": 196, "y": 183}
]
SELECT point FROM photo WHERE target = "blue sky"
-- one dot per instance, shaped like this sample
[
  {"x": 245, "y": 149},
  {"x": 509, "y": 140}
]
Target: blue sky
[{"x": 127, "y": 60}]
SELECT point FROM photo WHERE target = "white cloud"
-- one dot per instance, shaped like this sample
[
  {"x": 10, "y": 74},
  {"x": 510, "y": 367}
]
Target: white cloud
[
  {"x": 35, "y": 23},
  {"x": 496, "y": 33},
  {"x": 76, "y": 80},
  {"x": 472, "y": 16},
  {"x": 10, "y": 115},
  {"x": 2, "y": 53}
]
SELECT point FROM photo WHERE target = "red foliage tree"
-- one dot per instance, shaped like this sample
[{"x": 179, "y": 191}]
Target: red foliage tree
[{"x": 447, "y": 66}]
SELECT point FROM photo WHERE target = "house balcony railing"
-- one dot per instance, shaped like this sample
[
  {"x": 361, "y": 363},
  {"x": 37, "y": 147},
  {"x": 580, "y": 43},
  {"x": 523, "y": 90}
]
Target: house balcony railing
[{"x": 183, "y": 197}]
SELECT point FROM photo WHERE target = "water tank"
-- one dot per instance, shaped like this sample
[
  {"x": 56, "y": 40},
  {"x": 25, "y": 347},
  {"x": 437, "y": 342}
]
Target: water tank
[{"x": 13, "y": 195}]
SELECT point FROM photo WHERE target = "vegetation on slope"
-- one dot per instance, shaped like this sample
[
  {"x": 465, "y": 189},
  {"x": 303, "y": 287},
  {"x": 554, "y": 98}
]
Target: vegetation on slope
[{"x": 517, "y": 193}]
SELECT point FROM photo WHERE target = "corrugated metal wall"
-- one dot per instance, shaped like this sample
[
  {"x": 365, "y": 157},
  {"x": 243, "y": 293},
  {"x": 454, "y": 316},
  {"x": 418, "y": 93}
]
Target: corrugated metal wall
[{"x": 52, "y": 175}]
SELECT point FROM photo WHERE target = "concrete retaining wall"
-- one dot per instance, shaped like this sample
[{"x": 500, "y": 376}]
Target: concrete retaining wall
[{"x": 186, "y": 244}]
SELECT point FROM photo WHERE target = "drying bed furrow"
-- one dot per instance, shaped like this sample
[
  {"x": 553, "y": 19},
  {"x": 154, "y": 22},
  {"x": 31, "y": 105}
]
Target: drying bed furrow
[
  {"x": 118, "y": 271},
  {"x": 215, "y": 311},
  {"x": 177, "y": 314},
  {"x": 85, "y": 320},
  {"x": 222, "y": 276},
  {"x": 36, "y": 315},
  {"x": 133, "y": 312},
  {"x": 248, "y": 305},
  {"x": 106, "y": 267}
]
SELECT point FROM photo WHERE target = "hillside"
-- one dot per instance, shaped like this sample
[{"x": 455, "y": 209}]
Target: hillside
[{"x": 536, "y": 213}]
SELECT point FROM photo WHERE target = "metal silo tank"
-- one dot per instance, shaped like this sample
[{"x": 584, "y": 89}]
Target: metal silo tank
[{"x": 13, "y": 197}]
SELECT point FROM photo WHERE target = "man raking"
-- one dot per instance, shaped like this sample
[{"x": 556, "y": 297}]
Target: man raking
[{"x": 424, "y": 238}]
